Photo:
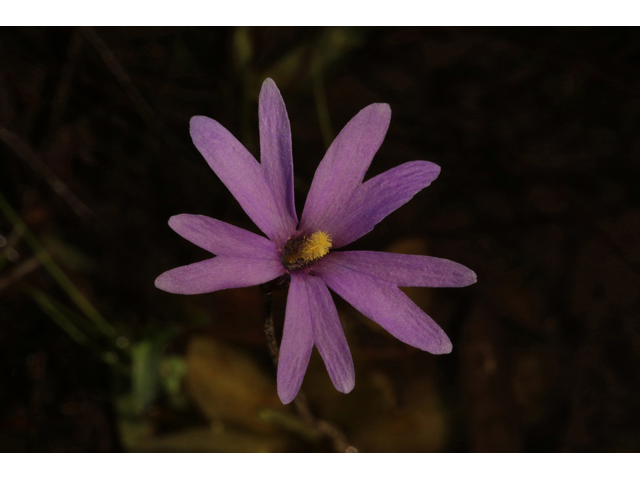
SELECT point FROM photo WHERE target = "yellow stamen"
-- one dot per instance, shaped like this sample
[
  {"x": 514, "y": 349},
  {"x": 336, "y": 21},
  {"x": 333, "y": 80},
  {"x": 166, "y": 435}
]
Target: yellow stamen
[
  {"x": 302, "y": 251},
  {"x": 316, "y": 246}
]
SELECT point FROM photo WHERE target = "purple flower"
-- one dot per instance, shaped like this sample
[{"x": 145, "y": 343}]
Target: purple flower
[{"x": 339, "y": 210}]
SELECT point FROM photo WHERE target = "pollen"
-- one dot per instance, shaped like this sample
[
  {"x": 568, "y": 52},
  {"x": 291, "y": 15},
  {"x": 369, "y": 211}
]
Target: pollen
[
  {"x": 316, "y": 246},
  {"x": 301, "y": 252}
]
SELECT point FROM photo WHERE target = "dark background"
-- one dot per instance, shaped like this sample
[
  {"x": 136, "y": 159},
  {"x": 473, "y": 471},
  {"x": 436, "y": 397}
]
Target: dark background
[{"x": 537, "y": 132}]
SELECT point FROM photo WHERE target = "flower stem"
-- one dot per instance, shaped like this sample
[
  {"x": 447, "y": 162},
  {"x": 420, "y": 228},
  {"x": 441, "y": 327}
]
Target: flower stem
[{"x": 269, "y": 331}]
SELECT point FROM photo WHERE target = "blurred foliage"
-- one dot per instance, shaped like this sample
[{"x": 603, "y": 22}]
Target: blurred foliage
[{"x": 537, "y": 134}]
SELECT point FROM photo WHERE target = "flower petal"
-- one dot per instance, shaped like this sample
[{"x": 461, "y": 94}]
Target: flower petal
[
  {"x": 241, "y": 174},
  {"x": 297, "y": 341},
  {"x": 385, "y": 304},
  {"x": 219, "y": 273},
  {"x": 328, "y": 335},
  {"x": 344, "y": 165},
  {"x": 378, "y": 197},
  {"x": 407, "y": 270},
  {"x": 311, "y": 317},
  {"x": 275, "y": 150},
  {"x": 221, "y": 238}
]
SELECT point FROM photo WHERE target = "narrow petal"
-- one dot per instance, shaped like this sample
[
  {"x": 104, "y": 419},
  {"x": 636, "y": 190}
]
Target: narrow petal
[
  {"x": 241, "y": 174},
  {"x": 275, "y": 150},
  {"x": 378, "y": 197},
  {"x": 311, "y": 317},
  {"x": 407, "y": 270},
  {"x": 221, "y": 238},
  {"x": 297, "y": 341},
  {"x": 385, "y": 304},
  {"x": 219, "y": 273},
  {"x": 328, "y": 335},
  {"x": 345, "y": 164}
]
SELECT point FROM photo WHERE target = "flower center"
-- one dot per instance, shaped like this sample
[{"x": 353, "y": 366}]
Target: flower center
[{"x": 300, "y": 252}]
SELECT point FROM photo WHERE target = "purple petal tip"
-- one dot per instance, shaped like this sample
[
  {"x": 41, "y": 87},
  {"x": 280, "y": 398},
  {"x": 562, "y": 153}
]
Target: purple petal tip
[
  {"x": 446, "y": 348},
  {"x": 286, "y": 397},
  {"x": 174, "y": 221},
  {"x": 161, "y": 283},
  {"x": 347, "y": 386},
  {"x": 381, "y": 106},
  {"x": 382, "y": 109},
  {"x": 469, "y": 277}
]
